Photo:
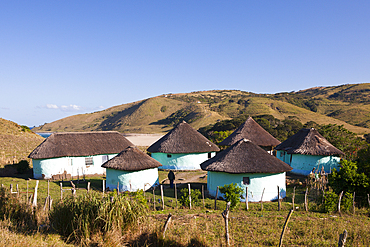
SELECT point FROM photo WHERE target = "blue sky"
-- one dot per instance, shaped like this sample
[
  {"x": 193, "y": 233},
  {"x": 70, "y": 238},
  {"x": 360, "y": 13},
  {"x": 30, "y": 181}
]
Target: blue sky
[{"x": 61, "y": 58}]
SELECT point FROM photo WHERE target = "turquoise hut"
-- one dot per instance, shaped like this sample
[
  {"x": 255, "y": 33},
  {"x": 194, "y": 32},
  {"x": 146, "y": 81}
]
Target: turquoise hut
[
  {"x": 132, "y": 170},
  {"x": 63, "y": 155},
  {"x": 249, "y": 166},
  {"x": 252, "y": 131},
  {"x": 307, "y": 149},
  {"x": 183, "y": 148}
]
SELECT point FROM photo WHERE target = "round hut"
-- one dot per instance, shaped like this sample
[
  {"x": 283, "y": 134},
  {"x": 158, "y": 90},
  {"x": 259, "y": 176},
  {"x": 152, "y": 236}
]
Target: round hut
[
  {"x": 252, "y": 131},
  {"x": 183, "y": 148},
  {"x": 249, "y": 166},
  {"x": 132, "y": 169},
  {"x": 307, "y": 149}
]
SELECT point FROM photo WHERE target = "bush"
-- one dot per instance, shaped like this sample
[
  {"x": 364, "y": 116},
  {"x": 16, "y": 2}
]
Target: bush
[
  {"x": 79, "y": 218},
  {"x": 184, "y": 197},
  {"x": 330, "y": 202},
  {"x": 232, "y": 193},
  {"x": 22, "y": 167}
]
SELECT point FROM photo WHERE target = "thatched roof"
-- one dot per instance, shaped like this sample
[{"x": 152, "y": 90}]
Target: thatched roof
[
  {"x": 245, "y": 157},
  {"x": 183, "y": 139},
  {"x": 252, "y": 131},
  {"x": 131, "y": 159},
  {"x": 80, "y": 144},
  {"x": 309, "y": 142}
]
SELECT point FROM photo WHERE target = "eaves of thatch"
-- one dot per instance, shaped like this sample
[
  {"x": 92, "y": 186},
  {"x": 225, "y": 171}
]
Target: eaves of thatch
[
  {"x": 75, "y": 144},
  {"x": 252, "y": 131},
  {"x": 245, "y": 157},
  {"x": 131, "y": 159},
  {"x": 308, "y": 142},
  {"x": 183, "y": 139}
]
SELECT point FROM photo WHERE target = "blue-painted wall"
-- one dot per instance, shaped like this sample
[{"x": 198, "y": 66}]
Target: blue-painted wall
[
  {"x": 137, "y": 179},
  {"x": 181, "y": 161},
  {"x": 46, "y": 168},
  {"x": 257, "y": 182},
  {"x": 303, "y": 164}
]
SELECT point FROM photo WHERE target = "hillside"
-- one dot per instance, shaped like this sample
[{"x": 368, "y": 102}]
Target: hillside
[
  {"x": 16, "y": 142},
  {"x": 323, "y": 105}
]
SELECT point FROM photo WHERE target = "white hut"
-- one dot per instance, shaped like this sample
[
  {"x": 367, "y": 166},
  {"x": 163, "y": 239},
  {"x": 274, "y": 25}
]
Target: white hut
[
  {"x": 247, "y": 165},
  {"x": 307, "y": 149},
  {"x": 132, "y": 170},
  {"x": 183, "y": 148}
]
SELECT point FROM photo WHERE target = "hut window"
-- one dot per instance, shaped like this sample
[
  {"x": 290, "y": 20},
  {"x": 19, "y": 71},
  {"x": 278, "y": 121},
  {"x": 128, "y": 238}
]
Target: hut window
[
  {"x": 246, "y": 180},
  {"x": 89, "y": 161},
  {"x": 169, "y": 155},
  {"x": 104, "y": 159},
  {"x": 209, "y": 155}
]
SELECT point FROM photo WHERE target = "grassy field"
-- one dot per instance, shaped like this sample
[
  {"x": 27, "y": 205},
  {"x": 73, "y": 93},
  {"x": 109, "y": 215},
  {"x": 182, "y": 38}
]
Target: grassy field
[{"x": 204, "y": 225}]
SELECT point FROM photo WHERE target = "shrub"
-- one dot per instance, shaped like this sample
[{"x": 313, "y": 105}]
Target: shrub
[
  {"x": 232, "y": 193},
  {"x": 184, "y": 197},
  {"x": 79, "y": 218},
  {"x": 330, "y": 202},
  {"x": 23, "y": 166}
]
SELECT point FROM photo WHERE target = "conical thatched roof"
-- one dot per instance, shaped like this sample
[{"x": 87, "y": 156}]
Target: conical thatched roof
[
  {"x": 309, "y": 142},
  {"x": 131, "y": 159},
  {"x": 245, "y": 157},
  {"x": 252, "y": 131},
  {"x": 80, "y": 144},
  {"x": 183, "y": 139}
]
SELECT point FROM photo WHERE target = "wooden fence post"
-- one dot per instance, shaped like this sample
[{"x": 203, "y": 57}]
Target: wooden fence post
[
  {"x": 17, "y": 190},
  {"x": 11, "y": 188},
  {"x": 246, "y": 198},
  {"x": 166, "y": 224},
  {"x": 305, "y": 200},
  {"x": 279, "y": 203},
  {"x": 50, "y": 202},
  {"x": 117, "y": 188},
  {"x": 103, "y": 186},
  {"x": 175, "y": 194},
  {"x": 162, "y": 197},
  {"x": 34, "y": 204},
  {"x": 225, "y": 215},
  {"x": 262, "y": 199},
  {"x": 353, "y": 202},
  {"x": 48, "y": 187},
  {"x": 368, "y": 199},
  {"x": 203, "y": 195},
  {"x": 61, "y": 191},
  {"x": 285, "y": 225},
  {"x": 27, "y": 192},
  {"x": 46, "y": 203},
  {"x": 154, "y": 198},
  {"x": 342, "y": 239},
  {"x": 216, "y": 198},
  {"x": 340, "y": 199},
  {"x": 189, "y": 195},
  {"x": 293, "y": 197},
  {"x": 88, "y": 187}
]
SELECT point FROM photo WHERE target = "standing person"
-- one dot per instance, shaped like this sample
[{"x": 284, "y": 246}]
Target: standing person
[{"x": 171, "y": 177}]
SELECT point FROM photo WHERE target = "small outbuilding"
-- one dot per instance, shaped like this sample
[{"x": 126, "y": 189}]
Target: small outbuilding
[
  {"x": 249, "y": 166},
  {"x": 252, "y": 131},
  {"x": 63, "y": 155},
  {"x": 307, "y": 149},
  {"x": 132, "y": 170},
  {"x": 183, "y": 148}
]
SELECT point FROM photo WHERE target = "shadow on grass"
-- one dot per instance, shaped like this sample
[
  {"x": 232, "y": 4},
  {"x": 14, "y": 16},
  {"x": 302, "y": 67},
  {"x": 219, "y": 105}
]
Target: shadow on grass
[{"x": 156, "y": 240}]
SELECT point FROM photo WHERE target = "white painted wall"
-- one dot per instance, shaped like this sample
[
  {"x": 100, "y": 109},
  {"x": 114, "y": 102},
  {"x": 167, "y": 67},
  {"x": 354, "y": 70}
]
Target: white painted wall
[{"x": 181, "y": 161}]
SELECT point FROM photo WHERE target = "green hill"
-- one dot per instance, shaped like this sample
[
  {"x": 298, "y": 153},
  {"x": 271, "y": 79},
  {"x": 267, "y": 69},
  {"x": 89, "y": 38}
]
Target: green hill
[
  {"x": 347, "y": 105},
  {"x": 16, "y": 142}
]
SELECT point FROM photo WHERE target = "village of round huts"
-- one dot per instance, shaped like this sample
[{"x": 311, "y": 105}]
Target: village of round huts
[
  {"x": 249, "y": 166},
  {"x": 252, "y": 131},
  {"x": 183, "y": 148},
  {"x": 131, "y": 170},
  {"x": 306, "y": 150},
  {"x": 67, "y": 154}
]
